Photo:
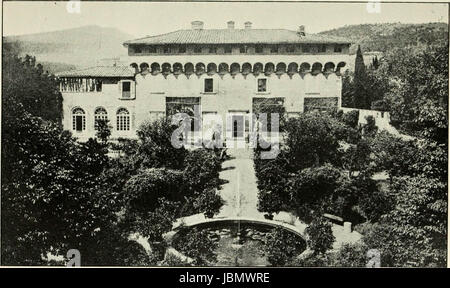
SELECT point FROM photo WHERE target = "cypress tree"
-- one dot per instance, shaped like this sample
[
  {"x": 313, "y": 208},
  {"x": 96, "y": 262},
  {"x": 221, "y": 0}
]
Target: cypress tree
[
  {"x": 360, "y": 78},
  {"x": 375, "y": 63}
]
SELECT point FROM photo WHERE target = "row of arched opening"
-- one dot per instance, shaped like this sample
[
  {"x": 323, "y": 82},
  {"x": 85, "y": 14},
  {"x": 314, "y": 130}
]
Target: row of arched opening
[
  {"x": 235, "y": 68},
  {"x": 100, "y": 113}
]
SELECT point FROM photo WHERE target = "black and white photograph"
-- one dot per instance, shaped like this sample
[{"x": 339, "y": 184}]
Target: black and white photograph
[{"x": 224, "y": 134}]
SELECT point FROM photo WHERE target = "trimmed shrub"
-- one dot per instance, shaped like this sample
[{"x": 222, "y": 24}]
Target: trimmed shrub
[
  {"x": 201, "y": 170},
  {"x": 320, "y": 235},
  {"x": 143, "y": 190},
  {"x": 351, "y": 118},
  {"x": 156, "y": 149},
  {"x": 197, "y": 245},
  {"x": 208, "y": 202},
  {"x": 351, "y": 255},
  {"x": 282, "y": 246}
]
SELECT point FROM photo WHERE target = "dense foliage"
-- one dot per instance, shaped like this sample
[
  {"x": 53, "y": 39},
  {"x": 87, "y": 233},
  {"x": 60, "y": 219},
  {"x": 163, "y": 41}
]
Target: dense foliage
[
  {"x": 328, "y": 163},
  {"x": 320, "y": 235},
  {"x": 411, "y": 83},
  {"x": 60, "y": 194},
  {"x": 197, "y": 245},
  {"x": 282, "y": 246},
  {"x": 25, "y": 83}
]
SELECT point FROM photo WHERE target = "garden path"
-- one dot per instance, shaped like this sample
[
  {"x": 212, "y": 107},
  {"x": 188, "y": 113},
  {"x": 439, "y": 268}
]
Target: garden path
[{"x": 240, "y": 193}]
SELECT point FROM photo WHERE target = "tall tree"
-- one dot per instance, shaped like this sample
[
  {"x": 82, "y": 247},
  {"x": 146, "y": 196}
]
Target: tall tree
[
  {"x": 53, "y": 199},
  {"x": 360, "y": 82},
  {"x": 348, "y": 91},
  {"x": 25, "y": 82},
  {"x": 419, "y": 96},
  {"x": 375, "y": 64}
]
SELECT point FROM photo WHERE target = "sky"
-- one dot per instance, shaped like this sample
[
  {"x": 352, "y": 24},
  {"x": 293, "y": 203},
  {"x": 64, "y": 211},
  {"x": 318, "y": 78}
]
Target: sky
[{"x": 145, "y": 18}]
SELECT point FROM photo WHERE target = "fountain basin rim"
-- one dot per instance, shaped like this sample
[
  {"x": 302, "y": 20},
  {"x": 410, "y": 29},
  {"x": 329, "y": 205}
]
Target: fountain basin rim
[{"x": 246, "y": 220}]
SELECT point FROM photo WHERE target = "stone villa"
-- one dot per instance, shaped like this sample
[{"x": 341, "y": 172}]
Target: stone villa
[{"x": 226, "y": 72}]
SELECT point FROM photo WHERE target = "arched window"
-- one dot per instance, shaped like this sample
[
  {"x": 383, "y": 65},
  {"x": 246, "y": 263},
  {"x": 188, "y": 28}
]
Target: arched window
[
  {"x": 99, "y": 114},
  {"x": 177, "y": 68},
  {"x": 340, "y": 66},
  {"x": 235, "y": 68},
  {"x": 223, "y": 68},
  {"x": 165, "y": 68},
  {"x": 281, "y": 68},
  {"x": 143, "y": 66},
  {"x": 293, "y": 68},
  {"x": 316, "y": 68},
  {"x": 188, "y": 68},
  {"x": 246, "y": 68},
  {"x": 135, "y": 67},
  {"x": 78, "y": 119},
  {"x": 305, "y": 67},
  {"x": 269, "y": 68},
  {"x": 123, "y": 120},
  {"x": 155, "y": 67},
  {"x": 329, "y": 67},
  {"x": 211, "y": 68},
  {"x": 200, "y": 68},
  {"x": 258, "y": 68}
]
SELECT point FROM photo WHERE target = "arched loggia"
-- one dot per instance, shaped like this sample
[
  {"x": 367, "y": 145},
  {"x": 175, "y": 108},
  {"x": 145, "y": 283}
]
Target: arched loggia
[
  {"x": 189, "y": 68},
  {"x": 155, "y": 67},
  {"x": 135, "y": 67},
  {"x": 177, "y": 68},
  {"x": 143, "y": 67},
  {"x": 269, "y": 68},
  {"x": 165, "y": 68},
  {"x": 235, "y": 68},
  {"x": 258, "y": 68},
  {"x": 292, "y": 68},
  {"x": 316, "y": 68},
  {"x": 305, "y": 67},
  {"x": 223, "y": 68},
  {"x": 246, "y": 68},
  {"x": 329, "y": 67},
  {"x": 281, "y": 68},
  {"x": 211, "y": 68},
  {"x": 340, "y": 67},
  {"x": 200, "y": 68}
]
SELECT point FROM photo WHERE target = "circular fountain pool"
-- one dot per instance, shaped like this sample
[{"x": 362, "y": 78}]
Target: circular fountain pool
[{"x": 239, "y": 243}]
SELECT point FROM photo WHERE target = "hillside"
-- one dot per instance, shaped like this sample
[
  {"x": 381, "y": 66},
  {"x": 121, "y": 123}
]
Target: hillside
[
  {"x": 382, "y": 37},
  {"x": 90, "y": 45},
  {"x": 84, "y": 46}
]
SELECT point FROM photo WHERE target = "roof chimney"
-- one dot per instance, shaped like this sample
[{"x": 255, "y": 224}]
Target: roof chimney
[
  {"x": 301, "y": 30},
  {"x": 248, "y": 25},
  {"x": 197, "y": 25},
  {"x": 230, "y": 24}
]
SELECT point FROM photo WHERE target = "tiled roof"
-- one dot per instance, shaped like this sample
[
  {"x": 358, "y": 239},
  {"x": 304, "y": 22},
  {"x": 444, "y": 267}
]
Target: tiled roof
[
  {"x": 236, "y": 36},
  {"x": 99, "y": 71}
]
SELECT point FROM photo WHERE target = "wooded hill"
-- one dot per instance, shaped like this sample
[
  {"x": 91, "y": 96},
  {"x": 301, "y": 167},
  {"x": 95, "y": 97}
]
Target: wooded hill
[{"x": 386, "y": 36}]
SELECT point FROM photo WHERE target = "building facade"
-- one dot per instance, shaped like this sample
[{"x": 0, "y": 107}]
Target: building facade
[{"x": 226, "y": 73}]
